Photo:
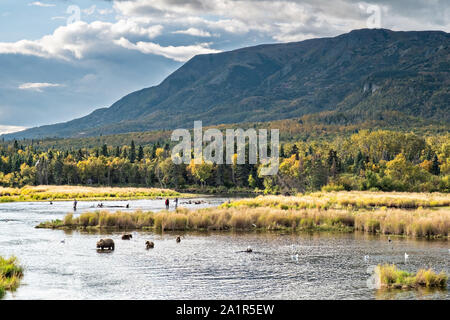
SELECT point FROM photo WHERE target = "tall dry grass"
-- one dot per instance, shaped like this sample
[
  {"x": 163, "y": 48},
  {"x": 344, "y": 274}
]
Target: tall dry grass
[
  {"x": 211, "y": 218},
  {"x": 347, "y": 199},
  {"x": 416, "y": 223}
]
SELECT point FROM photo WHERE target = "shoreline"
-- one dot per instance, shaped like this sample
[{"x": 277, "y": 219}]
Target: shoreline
[
  {"x": 46, "y": 193},
  {"x": 281, "y": 232},
  {"x": 183, "y": 196},
  {"x": 85, "y": 193},
  {"x": 287, "y": 231},
  {"x": 239, "y": 232}
]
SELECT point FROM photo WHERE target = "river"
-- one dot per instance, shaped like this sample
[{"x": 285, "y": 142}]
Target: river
[{"x": 211, "y": 265}]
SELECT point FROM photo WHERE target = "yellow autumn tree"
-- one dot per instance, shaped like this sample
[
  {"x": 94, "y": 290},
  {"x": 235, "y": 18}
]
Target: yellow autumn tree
[
  {"x": 201, "y": 172},
  {"x": 159, "y": 153},
  {"x": 405, "y": 174}
]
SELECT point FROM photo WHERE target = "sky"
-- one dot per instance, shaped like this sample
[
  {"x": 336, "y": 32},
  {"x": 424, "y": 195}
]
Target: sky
[{"x": 62, "y": 59}]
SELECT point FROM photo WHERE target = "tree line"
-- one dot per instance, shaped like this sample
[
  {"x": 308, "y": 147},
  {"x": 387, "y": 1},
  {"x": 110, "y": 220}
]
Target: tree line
[{"x": 367, "y": 160}]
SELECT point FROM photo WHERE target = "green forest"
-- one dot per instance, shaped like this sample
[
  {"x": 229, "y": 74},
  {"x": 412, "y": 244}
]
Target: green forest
[{"x": 367, "y": 160}]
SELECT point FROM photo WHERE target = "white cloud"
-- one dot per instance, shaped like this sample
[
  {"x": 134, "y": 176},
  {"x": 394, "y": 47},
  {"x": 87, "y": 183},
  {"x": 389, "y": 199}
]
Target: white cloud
[
  {"x": 243, "y": 16},
  {"x": 177, "y": 53},
  {"x": 40, "y": 4},
  {"x": 78, "y": 39},
  {"x": 10, "y": 129},
  {"x": 289, "y": 20},
  {"x": 38, "y": 86},
  {"x": 194, "y": 32}
]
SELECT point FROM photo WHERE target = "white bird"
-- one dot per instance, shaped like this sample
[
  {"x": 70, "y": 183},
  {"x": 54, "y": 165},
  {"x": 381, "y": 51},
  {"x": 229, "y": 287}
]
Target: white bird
[
  {"x": 366, "y": 258},
  {"x": 406, "y": 256},
  {"x": 254, "y": 225},
  {"x": 294, "y": 257}
]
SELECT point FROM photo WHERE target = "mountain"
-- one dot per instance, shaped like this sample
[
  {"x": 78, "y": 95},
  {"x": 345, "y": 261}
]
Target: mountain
[{"x": 360, "y": 75}]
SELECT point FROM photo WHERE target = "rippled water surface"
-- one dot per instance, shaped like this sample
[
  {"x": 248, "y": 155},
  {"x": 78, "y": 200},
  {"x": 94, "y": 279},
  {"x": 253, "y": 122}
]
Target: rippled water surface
[{"x": 66, "y": 265}]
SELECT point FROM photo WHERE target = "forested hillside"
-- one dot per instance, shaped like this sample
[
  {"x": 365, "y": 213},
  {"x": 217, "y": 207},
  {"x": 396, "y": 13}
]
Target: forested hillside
[{"x": 307, "y": 128}]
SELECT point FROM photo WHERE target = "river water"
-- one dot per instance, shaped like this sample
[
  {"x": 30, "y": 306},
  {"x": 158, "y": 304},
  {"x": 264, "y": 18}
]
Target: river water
[{"x": 66, "y": 265}]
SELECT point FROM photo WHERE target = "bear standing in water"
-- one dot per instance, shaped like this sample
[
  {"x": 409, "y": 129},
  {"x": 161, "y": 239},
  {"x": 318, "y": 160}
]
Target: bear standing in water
[{"x": 105, "y": 243}]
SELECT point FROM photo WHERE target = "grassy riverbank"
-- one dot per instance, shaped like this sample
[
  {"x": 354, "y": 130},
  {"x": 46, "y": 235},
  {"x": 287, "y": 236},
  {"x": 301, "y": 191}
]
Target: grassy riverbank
[
  {"x": 10, "y": 275},
  {"x": 348, "y": 200},
  {"x": 391, "y": 277},
  {"x": 61, "y": 193},
  {"x": 280, "y": 213},
  {"x": 206, "y": 219}
]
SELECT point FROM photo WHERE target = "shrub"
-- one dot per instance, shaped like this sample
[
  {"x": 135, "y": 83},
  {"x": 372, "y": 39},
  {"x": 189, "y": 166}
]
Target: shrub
[
  {"x": 391, "y": 277},
  {"x": 10, "y": 274},
  {"x": 68, "y": 219}
]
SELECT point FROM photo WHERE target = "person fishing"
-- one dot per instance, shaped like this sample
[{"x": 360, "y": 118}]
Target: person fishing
[
  {"x": 167, "y": 203},
  {"x": 176, "y": 203},
  {"x": 75, "y": 204}
]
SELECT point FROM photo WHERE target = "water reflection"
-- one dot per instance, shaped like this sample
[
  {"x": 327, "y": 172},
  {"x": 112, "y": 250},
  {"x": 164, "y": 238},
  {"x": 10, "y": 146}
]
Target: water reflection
[{"x": 419, "y": 294}]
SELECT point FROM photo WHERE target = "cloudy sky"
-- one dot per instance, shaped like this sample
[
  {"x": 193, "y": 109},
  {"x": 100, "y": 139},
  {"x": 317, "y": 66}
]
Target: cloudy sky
[{"x": 62, "y": 59}]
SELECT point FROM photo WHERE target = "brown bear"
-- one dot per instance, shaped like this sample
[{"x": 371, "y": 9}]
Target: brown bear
[
  {"x": 105, "y": 243},
  {"x": 149, "y": 244},
  {"x": 178, "y": 239},
  {"x": 127, "y": 236}
]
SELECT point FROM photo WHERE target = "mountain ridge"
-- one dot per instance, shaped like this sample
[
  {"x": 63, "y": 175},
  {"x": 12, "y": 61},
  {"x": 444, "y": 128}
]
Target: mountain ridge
[{"x": 360, "y": 73}]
